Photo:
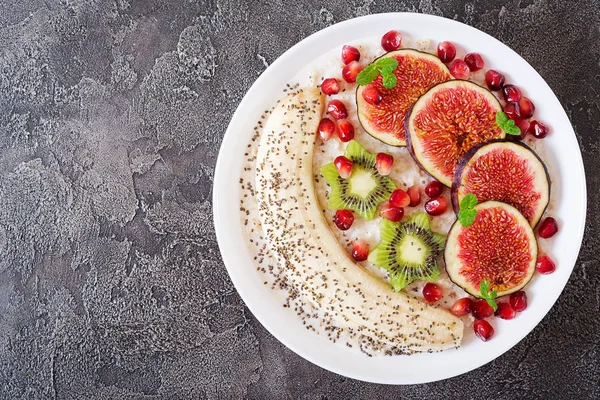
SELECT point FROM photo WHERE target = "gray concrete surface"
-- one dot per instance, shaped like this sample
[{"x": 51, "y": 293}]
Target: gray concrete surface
[{"x": 111, "y": 282}]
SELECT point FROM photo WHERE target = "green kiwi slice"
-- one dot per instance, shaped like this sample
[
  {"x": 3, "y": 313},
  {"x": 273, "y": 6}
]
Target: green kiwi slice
[
  {"x": 409, "y": 250},
  {"x": 364, "y": 189}
]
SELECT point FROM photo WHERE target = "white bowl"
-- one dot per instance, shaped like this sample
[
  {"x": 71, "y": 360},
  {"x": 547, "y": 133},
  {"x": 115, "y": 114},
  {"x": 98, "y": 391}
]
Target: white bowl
[{"x": 568, "y": 191}]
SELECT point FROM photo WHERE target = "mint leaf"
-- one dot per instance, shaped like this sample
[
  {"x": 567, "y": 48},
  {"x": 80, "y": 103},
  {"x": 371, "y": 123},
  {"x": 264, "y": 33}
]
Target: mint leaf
[
  {"x": 467, "y": 212},
  {"x": 389, "y": 80},
  {"x": 507, "y": 124},
  {"x": 386, "y": 62},
  {"x": 469, "y": 201},
  {"x": 367, "y": 75},
  {"x": 484, "y": 289}
]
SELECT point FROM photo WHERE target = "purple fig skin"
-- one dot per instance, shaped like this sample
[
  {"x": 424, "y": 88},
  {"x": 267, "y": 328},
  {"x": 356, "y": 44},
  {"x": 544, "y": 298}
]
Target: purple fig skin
[
  {"x": 457, "y": 179},
  {"x": 409, "y": 144}
]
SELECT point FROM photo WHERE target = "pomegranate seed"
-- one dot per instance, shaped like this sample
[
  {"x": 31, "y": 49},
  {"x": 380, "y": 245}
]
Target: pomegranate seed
[
  {"x": 351, "y": 71},
  {"x": 330, "y": 86},
  {"x": 474, "y": 61},
  {"x": 345, "y": 130},
  {"x": 415, "y": 196},
  {"x": 483, "y": 330},
  {"x": 432, "y": 292},
  {"x": 505, "y": 311},
  {"x": 446, "y": 51},
  {"x": 523, "y": 125},
  {"x": 494, "y": 79},
  {"x": 527, "y": 107},
  {"x": 372, "y": 95},
  {"x": 512, "y": 110},
  {"x": 391, "y": 41},
  {"x": 337, "y": 109},
  {"x": 326, "y": 129},
  {"x": 511, "y": 93},
  {"x": 399, "y": 198},
  {"x": 390, "y": 212},
  {"x": 343, "y": 219},
  {"x": 518, "y": 301},
  {"x": 545, "y": 265},
  {"x": 538, "y": 130},
  {"x": 459, "y": 69},
  {"x": 548, "y": 228},
  {"x": 481, "y": 309},
  {"x": 462, "y": 306},
  {"x": 349, "y": 54},
  {"x": 383, "y": 163},
  {"x": 434, "y": 189},
  {"x": 360, "y": 250},
  {"x": 343, "y": 166},
  {"x": 436, "y": 206}
]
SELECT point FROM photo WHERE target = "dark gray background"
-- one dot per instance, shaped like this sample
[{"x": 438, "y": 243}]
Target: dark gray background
[{"x": 111, "y": 282}]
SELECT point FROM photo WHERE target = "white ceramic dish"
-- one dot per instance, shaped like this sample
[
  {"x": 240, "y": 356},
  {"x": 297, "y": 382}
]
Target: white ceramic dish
[{"x": 568, "y": 191}]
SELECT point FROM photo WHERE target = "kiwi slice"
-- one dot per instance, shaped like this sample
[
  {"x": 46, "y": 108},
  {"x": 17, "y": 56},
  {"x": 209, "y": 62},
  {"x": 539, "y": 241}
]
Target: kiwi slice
[
  {"x": 364, "y": 189},
  {"x": 409, "y": 250}
]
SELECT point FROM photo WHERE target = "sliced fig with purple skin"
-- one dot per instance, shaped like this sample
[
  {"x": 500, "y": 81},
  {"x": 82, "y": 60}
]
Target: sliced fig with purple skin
[
  {"x": 448, "y": 121},
  {"x": 417, "y": 72},
  {"x": 499, "y": 247},
  {"x": 504, "y": 171}
]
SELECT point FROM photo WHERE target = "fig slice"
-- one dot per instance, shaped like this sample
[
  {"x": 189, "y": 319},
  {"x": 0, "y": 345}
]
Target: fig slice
[
  {"x": 417, "y": 72},
  {"x": 448, "y": 121},
  {"x": 499, "y": 247},
  {"x": 504, "y": 171}
]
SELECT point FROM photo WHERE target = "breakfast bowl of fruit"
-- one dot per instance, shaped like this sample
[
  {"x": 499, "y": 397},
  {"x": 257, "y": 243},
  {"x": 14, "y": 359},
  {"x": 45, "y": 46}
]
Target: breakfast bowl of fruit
[{"x": 391, "y": 207}]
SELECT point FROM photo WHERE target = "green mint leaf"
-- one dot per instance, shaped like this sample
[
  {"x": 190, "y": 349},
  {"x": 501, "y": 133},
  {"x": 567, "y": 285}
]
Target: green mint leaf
[
  {"x": 511, "y": 128},
  {"x": 466, "y": 217},
  {"x": 484, "y": 288},
  {"x": 389, "y": 80},
  {"x": 501, "y": 118},
  {"x": 387, "y": 62},
  {"x": 367, "y": 75},
  {"x": 469, "y": 201},
  {"x": 388, "y": 69}
]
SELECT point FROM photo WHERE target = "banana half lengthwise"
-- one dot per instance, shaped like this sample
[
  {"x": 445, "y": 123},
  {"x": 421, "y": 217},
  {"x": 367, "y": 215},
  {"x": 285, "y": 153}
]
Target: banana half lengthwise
[{"x": 318, "y": 271}]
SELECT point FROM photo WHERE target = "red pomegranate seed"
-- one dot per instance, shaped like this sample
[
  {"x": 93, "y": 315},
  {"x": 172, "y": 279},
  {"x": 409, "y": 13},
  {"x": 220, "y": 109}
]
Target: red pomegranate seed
[
  {"x": 390, "y": 212},
  {"x": 512, "y": 110},
  {"x": 343, "y": 219},
  {"x": 415, "y": 196},
  {"x": 474, "y": 61},
  {"x": 360, "y": 250},
  {"x": 337, "y": 109},
  {"x": 459, "y": 69},
  {"x": 351, "y": 71},
  {"x": 326, "y": 129},
  {"x": 391, "y": 41},
  {"x": 523, "y": 125},
  {"x": 526, "y": 107},
  {"x": 372, "y": 95},
  {"x": 383, "y": 163},
  {"x": 505, "y": 311},
  {"x": 446, "y": 51},
  {"x": 349, "y": 54},
  {"x": 436, "y": 206},
  {"x": 548, "y": 228},
  {"x": 538, "y": 130},
  {"x": 345, "y": 130},
  {"x": 481, "y": 309},
  {"x": 399, "y": 198},
  {"x": 511, "y": 93},
  {"x": 494, "y": 79},
  {"x": 483, "y": 330},
  {"x": 343, "y": 166},
  {"x": 330, "y": 86},
  {"x": 434, "y": 189},
  {"x": 432, "y": 292},
  {"x": 518, "y": 301},
  {"x": 462, "y": 306},
  {"x": 545, "y": 265}
]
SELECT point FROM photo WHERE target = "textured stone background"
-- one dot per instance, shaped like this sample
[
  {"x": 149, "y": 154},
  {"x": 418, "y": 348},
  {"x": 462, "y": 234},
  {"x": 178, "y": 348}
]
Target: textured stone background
[{"x": 111, "y": 283}]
